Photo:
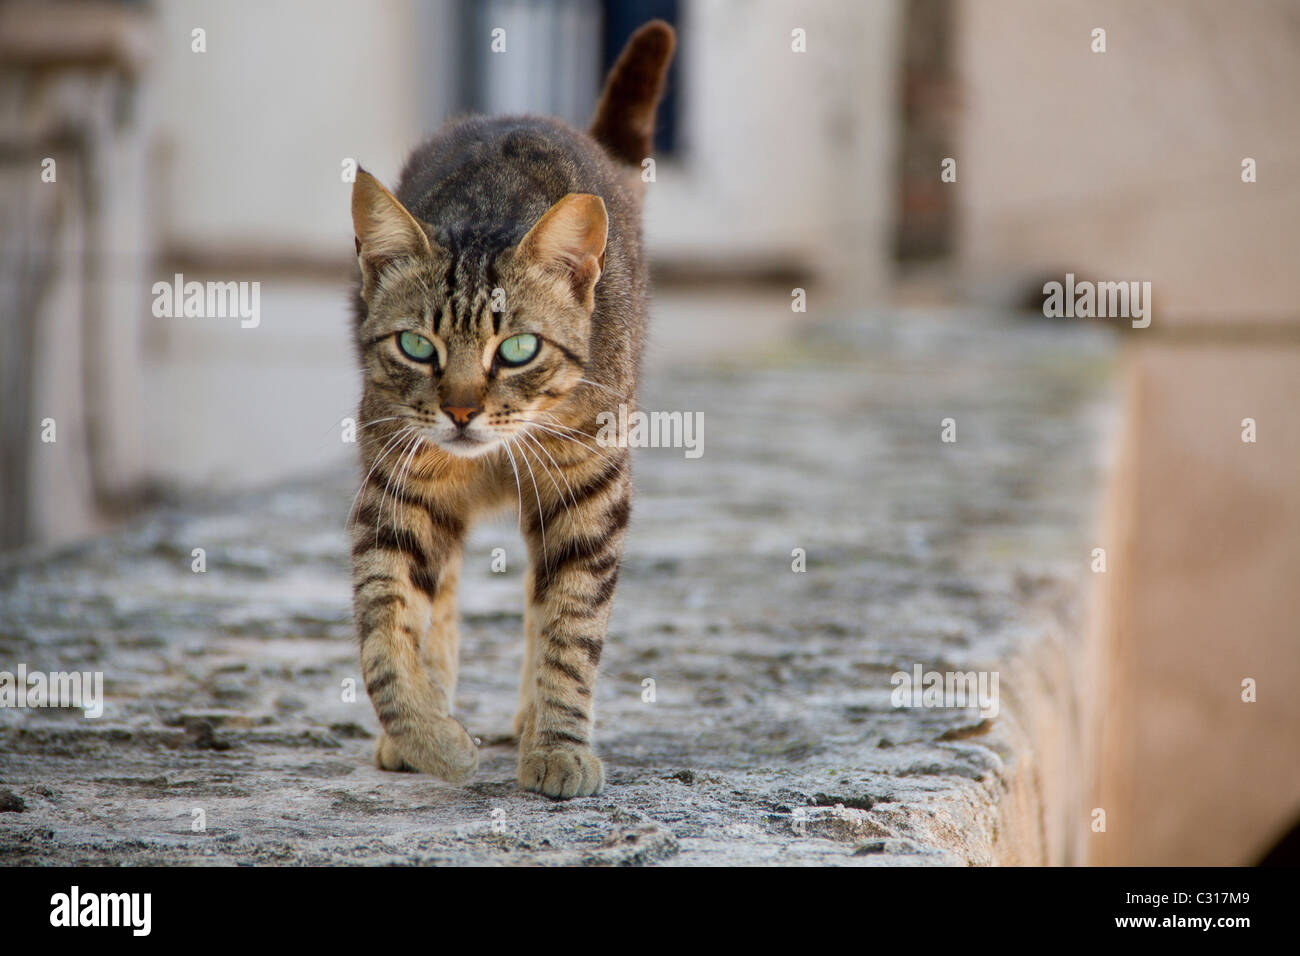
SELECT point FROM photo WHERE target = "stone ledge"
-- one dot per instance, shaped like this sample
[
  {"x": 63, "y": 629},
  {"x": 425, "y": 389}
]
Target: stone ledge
[{"x": 772, "y": 738}]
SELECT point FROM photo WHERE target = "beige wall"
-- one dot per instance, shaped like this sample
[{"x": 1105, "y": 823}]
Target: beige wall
[
  {"x": 1127, "y": 164},
  {"x": 1206, "y": 566}
]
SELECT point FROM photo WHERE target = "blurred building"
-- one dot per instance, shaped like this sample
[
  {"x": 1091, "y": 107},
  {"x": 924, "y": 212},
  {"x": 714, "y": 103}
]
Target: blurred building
[
  {"x": 76, "y": 129},
  {"x": 774, "y": 163}
]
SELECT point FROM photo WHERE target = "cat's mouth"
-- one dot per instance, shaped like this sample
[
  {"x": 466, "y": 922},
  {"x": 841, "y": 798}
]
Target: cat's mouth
[{"x": 466, "y": 445}]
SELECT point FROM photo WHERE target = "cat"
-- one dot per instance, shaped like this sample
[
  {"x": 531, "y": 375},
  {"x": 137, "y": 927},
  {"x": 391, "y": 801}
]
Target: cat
[{"x": 500, "y": 306}]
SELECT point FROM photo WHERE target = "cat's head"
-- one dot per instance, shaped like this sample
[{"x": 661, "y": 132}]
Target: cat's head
[{"x": 472, "y": 344}]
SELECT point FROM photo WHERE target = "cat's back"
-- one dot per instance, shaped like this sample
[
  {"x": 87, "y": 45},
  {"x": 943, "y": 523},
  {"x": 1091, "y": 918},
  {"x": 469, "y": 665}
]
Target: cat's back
[{"x": 496, "y": 176}]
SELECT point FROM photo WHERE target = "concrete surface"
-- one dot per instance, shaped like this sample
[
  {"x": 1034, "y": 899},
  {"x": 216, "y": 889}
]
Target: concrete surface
[{"x": 771, "y": 738}]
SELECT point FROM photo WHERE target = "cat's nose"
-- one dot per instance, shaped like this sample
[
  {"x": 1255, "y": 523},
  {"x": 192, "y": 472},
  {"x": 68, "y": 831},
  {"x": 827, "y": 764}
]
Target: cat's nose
[{"x": 461, "y": 414}]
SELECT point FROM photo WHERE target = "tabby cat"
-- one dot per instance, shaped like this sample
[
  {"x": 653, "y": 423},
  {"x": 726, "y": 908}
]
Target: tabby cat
[{"x": 500, "y": 307}]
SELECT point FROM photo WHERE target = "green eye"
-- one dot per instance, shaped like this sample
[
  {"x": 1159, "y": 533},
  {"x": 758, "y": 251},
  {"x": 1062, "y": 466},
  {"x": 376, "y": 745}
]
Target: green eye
[
  {"x": 415, "y": 346},
  {"x": 518, "y": 349}
]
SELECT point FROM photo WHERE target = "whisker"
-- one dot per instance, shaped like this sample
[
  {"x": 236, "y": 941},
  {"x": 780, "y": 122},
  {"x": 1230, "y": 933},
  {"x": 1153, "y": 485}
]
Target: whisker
[
  {"x": 404, "y": 472},
  {"x": 537, "y": 442},
  {"x": 558, "y": 434},
  {"x": 518, "y": 488},
  {"x": 383, "y": 453},
  {"x": 541, "y": 517},
  {"x": 587, "y": 381},
  {"x": 552, "y": 420},
  {"x": 388, "y": 484},
  {"x": 567, "y": 510},
  {"x": 333, "y": 428},
  {"x": 380, "y": 421}
]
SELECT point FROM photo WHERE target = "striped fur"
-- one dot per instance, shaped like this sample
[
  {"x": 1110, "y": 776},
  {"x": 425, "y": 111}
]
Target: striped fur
[{"x": 532, "y": 215}]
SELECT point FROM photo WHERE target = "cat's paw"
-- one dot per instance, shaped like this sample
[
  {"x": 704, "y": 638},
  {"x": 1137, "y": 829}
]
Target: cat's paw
[
  {"x": 387, "y": 756},
  {"x": 561, "y": 772},
  {"x": 447, "y": 751},
  {"x": 443, "y": 749}
]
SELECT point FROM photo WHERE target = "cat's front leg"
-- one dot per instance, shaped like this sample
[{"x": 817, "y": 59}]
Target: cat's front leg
[
  {"x": 405, "y": 563},
  {"x": 575, "y": 549}
]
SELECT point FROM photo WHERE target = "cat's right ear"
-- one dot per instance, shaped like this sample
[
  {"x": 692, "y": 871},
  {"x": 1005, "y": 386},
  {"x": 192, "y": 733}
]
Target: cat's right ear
[{"x": 385, "y": 231}]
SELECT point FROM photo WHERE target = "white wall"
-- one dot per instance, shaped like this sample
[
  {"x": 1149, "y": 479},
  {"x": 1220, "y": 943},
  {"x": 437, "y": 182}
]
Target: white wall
[
  {"x": 255, "y": 129},
  {"x": 789, "y": 157},
  {"x": 253, "y": 134}
]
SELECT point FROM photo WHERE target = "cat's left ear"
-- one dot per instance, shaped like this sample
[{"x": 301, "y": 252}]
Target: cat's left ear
[
  {"x": 385, "y": 231},
  {"x": 570, "y": 241}
]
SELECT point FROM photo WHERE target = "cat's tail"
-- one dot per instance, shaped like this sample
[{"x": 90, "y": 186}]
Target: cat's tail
[{"x": 625, "y": 115}]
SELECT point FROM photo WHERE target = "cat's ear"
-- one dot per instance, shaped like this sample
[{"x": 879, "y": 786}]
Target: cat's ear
[
  {"x": 570, "y": 241},
  {"x": 385, "y": 231}
]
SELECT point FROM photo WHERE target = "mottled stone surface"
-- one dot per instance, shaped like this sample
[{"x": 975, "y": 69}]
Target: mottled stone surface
[{"x": 771, "y": 738}]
